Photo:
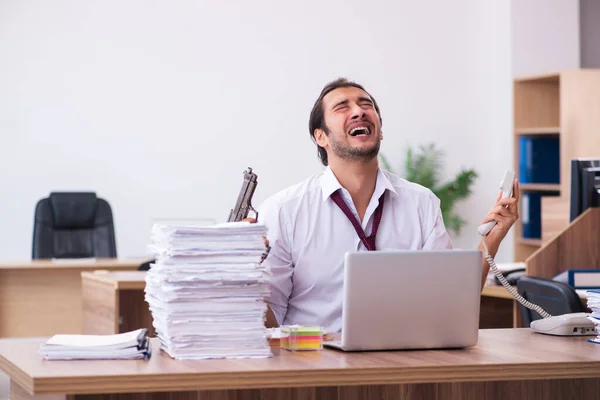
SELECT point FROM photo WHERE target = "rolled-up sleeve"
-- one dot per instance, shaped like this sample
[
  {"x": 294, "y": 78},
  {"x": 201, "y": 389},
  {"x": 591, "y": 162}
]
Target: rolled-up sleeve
[
  {"x": 436, "y": 235},
  {"x": 279, "y": 261}
]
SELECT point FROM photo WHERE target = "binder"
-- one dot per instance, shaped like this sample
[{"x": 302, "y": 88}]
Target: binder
[
  {"x": 580, "y": 278},
  {"x": 539, "y": 159},
  {"x": 123, "y": 346},
  {"x": 531, "y": 210}
]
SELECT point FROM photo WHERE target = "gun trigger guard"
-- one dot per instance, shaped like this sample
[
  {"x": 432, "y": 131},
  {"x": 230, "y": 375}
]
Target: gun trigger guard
[{"x": 250, "y": 208}]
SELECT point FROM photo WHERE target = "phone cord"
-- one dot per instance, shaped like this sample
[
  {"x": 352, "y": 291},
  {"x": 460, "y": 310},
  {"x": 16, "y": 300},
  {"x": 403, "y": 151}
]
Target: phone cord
[{"x": 507, "y": 286}]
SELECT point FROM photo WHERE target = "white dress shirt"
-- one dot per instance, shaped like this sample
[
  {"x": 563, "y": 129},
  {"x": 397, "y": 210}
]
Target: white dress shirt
[{"x": 309, "y": 236}]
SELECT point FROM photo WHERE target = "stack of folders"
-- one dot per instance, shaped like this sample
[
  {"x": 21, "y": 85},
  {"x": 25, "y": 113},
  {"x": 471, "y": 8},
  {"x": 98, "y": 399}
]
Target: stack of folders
[
  {"x": 593, "y": 302},
  {"x": 122, "y": 346},
  {"x": 206, "y": 290}
]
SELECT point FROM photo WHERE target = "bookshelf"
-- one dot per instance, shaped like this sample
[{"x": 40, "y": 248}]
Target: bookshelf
[
  {"x": 559, "y": 113},
  {"x": 540, "y": 187},
  {"x": 552, "y": 130}
]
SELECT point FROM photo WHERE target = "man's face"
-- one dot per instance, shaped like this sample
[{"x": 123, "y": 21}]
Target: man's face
[{"x": 354, "y": 129}]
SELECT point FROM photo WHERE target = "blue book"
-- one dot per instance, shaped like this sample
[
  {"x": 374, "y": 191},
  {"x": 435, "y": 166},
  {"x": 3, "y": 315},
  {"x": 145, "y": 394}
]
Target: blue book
[
  {"x": 524, "y": 160},
  {"x": 531, "y": 212},
  {"x": 539, "y": 159}
]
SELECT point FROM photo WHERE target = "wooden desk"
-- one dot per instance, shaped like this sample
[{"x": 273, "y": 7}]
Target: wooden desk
[
  {"x": 43, "y": 297},
  {"x": 505, "y": 364},
  {"x": 113, "y": 302}
]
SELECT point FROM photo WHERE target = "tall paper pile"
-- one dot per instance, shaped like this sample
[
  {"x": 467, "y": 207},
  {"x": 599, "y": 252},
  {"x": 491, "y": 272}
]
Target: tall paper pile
[{"x": 206, "y": 290}]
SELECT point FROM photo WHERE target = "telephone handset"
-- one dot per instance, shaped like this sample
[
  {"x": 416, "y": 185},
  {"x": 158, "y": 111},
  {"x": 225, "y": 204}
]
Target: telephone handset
[{"x": 563, "y": 325}]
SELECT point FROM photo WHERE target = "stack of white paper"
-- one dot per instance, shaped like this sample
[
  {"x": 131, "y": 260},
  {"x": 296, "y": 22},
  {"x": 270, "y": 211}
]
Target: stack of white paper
[
  {"x": 593, "y": 303},
  {"x": 206, "y": 290},
  {"x": 130, "y": 345}
]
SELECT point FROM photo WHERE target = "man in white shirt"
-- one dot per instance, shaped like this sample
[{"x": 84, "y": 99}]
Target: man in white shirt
[{"x": 352, "y": 205}]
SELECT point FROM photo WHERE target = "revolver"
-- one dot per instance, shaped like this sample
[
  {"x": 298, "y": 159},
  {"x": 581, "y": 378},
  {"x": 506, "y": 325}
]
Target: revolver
[{"x": 244, "y": 201}]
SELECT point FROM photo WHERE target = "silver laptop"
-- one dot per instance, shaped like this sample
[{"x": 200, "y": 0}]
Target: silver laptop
[{"x": 395, "y": 300}]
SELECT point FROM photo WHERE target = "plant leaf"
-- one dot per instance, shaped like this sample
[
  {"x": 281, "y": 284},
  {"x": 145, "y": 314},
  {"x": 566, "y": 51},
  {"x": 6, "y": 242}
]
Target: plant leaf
[
  {"x": 409, "y": 168},
  {"x": 424, "y": 167}
]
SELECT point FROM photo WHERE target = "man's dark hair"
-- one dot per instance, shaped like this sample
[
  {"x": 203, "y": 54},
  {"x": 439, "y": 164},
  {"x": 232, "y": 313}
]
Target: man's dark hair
[{"x": 317, "y": 120}]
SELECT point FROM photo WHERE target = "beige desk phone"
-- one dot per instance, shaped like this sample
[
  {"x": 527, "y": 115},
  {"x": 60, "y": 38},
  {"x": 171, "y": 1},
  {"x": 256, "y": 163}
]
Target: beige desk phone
[{"x": 576, "y": 324}]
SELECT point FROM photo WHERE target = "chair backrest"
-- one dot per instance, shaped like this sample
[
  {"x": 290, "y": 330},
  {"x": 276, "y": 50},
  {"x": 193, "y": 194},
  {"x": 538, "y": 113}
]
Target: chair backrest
[
  {"x": 73, "y": 225},
  {"x": 556, "y": 298},
  {"x": 145, "y": 266}
]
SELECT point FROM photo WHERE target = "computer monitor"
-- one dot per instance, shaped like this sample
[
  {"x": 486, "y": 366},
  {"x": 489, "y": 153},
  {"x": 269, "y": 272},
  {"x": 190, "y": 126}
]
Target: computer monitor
[{"x": 585, "y": 185}]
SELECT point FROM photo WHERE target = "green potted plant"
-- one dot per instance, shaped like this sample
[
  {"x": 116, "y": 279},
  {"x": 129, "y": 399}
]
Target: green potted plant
[{"x": 424, "y": 167}]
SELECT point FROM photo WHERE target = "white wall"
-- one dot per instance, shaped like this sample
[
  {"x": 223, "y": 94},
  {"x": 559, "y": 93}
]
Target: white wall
[
  {"x": 545, "y": 36},
  {"x": 160, "y": 106}
]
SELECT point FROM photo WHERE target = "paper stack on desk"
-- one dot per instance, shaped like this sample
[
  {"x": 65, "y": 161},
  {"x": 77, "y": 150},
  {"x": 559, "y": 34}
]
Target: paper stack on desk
[
  {"x": 129, "y": 345},
  {"x": 593, "y": 303},
  {"x": 206, "y": 290}
]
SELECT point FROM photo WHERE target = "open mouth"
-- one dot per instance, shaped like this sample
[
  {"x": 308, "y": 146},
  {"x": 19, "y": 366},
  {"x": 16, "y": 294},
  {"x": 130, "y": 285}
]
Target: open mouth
[{"x": 360, "y": 131}]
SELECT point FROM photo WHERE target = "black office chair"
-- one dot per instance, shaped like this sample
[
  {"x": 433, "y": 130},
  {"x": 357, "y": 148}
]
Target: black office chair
[
  {"x": 73, "y": 225},
  {"x": 556, "y": 298},
  {"x": 145, "y": 266}
]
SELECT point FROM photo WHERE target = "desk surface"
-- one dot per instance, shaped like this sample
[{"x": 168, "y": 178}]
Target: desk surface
[
  {"x": 501, "y": 354},
  {"x": 85, "y": 264},
  {"x": 123, "y": 280}
]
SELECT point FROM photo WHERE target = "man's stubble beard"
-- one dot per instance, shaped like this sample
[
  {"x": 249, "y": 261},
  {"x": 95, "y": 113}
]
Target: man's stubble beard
[{"x": 349, "y": 153}]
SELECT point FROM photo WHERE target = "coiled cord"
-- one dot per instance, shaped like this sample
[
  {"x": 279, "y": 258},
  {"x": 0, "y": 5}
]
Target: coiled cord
[{"x": 510, "y": 289}]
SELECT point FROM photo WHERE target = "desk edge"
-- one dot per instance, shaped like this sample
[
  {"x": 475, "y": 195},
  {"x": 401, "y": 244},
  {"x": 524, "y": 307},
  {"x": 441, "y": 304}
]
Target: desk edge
[{"x": 315, "y": 378}]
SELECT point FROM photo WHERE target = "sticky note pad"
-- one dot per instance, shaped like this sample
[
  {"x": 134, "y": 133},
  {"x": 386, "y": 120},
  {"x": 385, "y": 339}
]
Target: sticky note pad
[{"x": 301, "y": 338}]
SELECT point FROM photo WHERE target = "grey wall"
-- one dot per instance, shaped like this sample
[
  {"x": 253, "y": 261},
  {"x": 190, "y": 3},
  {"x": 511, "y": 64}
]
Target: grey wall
[
  {"x": 545, "y": 36},
  {"x": 589, "y": 26}
]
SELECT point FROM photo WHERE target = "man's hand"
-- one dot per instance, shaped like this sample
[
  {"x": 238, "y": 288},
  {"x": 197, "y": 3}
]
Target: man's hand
[
  {"x": 270, "y": 321},
  {"x": 505, "y": 212}
]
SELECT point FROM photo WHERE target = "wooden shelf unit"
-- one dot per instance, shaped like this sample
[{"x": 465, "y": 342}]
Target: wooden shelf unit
[
  {"x": 538, "y": 131},
  {"x": 540, "y": 187},
  {"x": 565, "y": 105}
]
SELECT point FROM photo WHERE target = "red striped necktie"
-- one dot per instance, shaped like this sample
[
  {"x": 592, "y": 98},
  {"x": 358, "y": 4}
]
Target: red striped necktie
[{"x": 368, "y": 241}]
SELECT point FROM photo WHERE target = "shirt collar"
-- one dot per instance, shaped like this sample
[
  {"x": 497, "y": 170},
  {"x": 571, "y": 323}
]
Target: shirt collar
[{"x": 330, "y": 184}]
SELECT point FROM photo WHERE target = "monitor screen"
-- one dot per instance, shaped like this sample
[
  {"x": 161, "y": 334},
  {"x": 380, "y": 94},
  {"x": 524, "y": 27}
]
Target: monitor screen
[{"x": 585, "y": 185}]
